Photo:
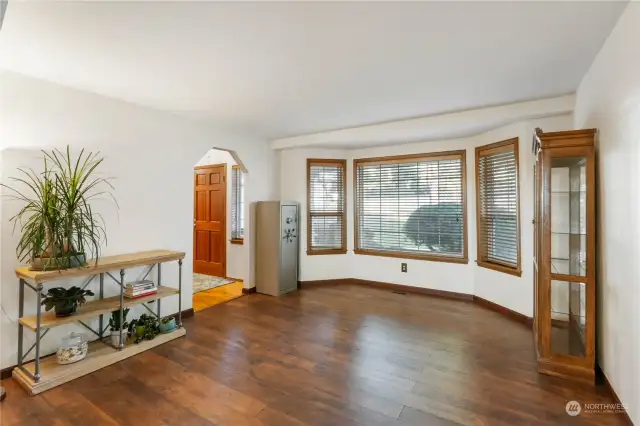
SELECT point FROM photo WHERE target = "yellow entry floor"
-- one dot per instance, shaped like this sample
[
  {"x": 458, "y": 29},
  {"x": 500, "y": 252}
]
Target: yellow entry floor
[{"x": 215, "y": 296}]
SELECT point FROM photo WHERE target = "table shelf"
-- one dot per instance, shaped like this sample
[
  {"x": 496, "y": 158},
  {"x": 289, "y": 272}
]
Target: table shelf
[
  {"x": 94, "y": 308},
  {"x": 44, "y": 373},
  {"x": 100, "y": 355}
]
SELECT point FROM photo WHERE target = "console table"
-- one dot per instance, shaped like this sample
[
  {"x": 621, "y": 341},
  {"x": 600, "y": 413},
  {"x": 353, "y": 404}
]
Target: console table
[{"x": 40, "y": 375}]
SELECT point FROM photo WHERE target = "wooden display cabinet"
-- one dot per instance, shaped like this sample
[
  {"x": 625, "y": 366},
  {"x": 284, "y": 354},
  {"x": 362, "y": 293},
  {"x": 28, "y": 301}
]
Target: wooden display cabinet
[{"x": 564, "y": 253}]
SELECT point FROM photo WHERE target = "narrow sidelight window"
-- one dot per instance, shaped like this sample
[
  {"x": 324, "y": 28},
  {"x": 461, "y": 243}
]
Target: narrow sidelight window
[{"x": 237, "y": 205}]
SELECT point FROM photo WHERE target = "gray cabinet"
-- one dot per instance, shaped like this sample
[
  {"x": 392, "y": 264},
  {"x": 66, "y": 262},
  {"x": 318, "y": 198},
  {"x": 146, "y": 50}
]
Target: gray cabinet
[{"x": 277, "y": 247}]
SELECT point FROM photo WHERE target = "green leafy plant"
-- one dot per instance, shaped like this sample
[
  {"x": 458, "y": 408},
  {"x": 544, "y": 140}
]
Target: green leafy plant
[
  {"x": 58, "y": 225},
  {"x": 437, "y": 227},
  {"x": 65, "y": 301},
  {"x": 150, "y": 326},
  {"x": 114, "y": 321},
  {"x": 166, "y": 320}
]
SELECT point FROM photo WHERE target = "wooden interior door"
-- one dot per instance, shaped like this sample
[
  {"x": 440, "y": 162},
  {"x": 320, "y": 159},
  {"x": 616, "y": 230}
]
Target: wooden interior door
[{"x": 209, "y": 220}]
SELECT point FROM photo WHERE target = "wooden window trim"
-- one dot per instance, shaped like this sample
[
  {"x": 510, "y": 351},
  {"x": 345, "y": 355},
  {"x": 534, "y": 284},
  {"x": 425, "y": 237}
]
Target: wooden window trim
[
  {"x": 481, "y": 151},
  {"x": 239, "y": 241},
  {"x": 445, "y": 155},
  {"x": 343, "y": 214}
]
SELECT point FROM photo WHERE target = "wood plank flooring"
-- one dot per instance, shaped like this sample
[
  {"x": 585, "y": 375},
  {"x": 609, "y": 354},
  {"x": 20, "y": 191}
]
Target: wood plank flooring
[
  {"x": 215, "y": 296},
  {"x": 326, "y": 356}
]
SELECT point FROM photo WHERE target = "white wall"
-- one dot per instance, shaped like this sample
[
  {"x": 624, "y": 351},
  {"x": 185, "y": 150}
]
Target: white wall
[
  {"x": 294, "y": 188},
  {"x": 609, "y": 99},
  {"x": 515, "y": 293},
  {"x": 151, "y": 155},
  {"x": 237, "y": 254}
]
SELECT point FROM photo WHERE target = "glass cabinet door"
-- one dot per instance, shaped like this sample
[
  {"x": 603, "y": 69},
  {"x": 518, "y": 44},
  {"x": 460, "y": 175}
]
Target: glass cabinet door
[{"x": 568, "y": 254}]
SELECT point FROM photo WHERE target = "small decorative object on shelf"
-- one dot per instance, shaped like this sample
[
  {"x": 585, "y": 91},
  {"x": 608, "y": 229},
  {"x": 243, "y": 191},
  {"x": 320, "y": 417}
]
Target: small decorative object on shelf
[
  {"x": 58, "y": 226},
  {"x": 114, "y": 326},
  {"x": 74, "y": 348},
  {"x": 141, "y": 288},
  {"x": 167, "y": 325},
  {"x": 147, "y": 327},
  {"x": 65, "y": 301}
]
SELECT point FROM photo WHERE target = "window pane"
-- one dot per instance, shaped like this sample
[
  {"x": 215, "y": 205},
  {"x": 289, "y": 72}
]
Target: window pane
[
  {"x": 498, "y": 205},
  {"x": 411, "y": 207},
  {"x": 326, "y": 232},
  {"x": 237, "y": 203},
  {"x": 326, "y": 209}
]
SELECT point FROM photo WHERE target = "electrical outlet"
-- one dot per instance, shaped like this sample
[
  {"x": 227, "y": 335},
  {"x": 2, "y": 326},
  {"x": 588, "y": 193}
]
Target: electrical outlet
[{"x": 403, "y": 267}]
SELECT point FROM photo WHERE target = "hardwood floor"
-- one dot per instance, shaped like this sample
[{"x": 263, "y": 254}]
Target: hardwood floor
[
  {"x": 215, "y": 296},
  {"x": 326, "y": 356}
]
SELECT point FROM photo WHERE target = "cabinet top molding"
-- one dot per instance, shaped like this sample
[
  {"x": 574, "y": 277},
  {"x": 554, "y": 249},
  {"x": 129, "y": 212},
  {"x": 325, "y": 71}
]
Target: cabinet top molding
[
  {"x": 105, "y": 264},
  {"x": 568, "y": 138}
]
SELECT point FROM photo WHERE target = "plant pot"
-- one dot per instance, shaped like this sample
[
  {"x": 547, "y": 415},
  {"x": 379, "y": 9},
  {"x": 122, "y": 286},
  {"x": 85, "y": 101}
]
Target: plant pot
[
  {"x": 139, "y": 330},
  {"x": 66, "y": 311},
  {"x": 167, "y": 327},
  {"x": 48, "y": 263},
  {"x": 115, "y": 337}
]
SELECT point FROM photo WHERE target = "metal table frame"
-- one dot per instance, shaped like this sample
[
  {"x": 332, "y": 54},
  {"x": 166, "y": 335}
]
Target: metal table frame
[{"x": 100, "y": 332}]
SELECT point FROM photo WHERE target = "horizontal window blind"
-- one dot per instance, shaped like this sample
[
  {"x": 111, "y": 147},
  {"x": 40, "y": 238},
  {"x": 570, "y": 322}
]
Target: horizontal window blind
[
  {"x": 237, "y": 203},
  {"x": 326, "y": 219},
  {"x": 497, "y": 171},
  {"x": 412, "y": 206}
]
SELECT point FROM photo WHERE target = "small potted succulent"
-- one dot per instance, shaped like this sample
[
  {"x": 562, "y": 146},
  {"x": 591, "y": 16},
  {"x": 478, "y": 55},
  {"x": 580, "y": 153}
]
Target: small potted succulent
[
  {"x": 115, "y": 327},
  {"x": 65, "y": 301},
  {"x": 167, "y": 324}
]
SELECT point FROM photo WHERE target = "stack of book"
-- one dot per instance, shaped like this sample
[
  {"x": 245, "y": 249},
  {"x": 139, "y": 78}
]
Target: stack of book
[{"x": 140, "y": 289}]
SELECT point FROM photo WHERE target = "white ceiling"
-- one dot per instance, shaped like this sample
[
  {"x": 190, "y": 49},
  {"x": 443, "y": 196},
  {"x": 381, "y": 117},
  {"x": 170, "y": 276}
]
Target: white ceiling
[{"x": 283, "y": 69}]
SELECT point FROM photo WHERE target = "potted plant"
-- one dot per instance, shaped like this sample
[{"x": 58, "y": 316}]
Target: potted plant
[
  {"x": 64, "y": 301},
  {"x": 115, "y": 327},
  {"x": 167, "y": 324},
  {"x": 146, "y": 327},
  {"x": 59, "y": 229}
]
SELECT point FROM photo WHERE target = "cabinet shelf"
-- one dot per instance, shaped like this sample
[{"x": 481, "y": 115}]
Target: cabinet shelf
[{"x": 94, "y": 308}]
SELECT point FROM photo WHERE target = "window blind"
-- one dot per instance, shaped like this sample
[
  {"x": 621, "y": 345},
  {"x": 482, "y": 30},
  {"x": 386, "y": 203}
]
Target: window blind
[
  {"x": 237, "y": 203},
  {"x": 497, "y": 177},
  {"x": 412, "y": 206},
  {"x": 326, "y": 219}
]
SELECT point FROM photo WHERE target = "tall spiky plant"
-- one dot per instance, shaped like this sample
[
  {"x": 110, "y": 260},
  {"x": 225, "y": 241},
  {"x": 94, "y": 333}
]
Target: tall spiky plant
[{"x": 57, "y": 220}]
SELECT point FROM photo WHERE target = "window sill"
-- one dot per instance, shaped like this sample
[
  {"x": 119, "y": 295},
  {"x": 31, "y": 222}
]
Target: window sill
[
  {"x": 323, "y": 252},
  {"x": 239, "y": 241},
  {"x": 426, "y": 257},
  {"x": 500, "y": 268}
]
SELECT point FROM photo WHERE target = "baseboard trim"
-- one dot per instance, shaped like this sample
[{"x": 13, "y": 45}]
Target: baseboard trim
[
  {"x": 248, "y": 290},
  {"x": 388, "y": 286},
  {"x": 517, "y": 316},
  {"x": 6, "y": 373},
  {"x": 601, "y": 380},
  {"x": 411, "y": 289}
]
